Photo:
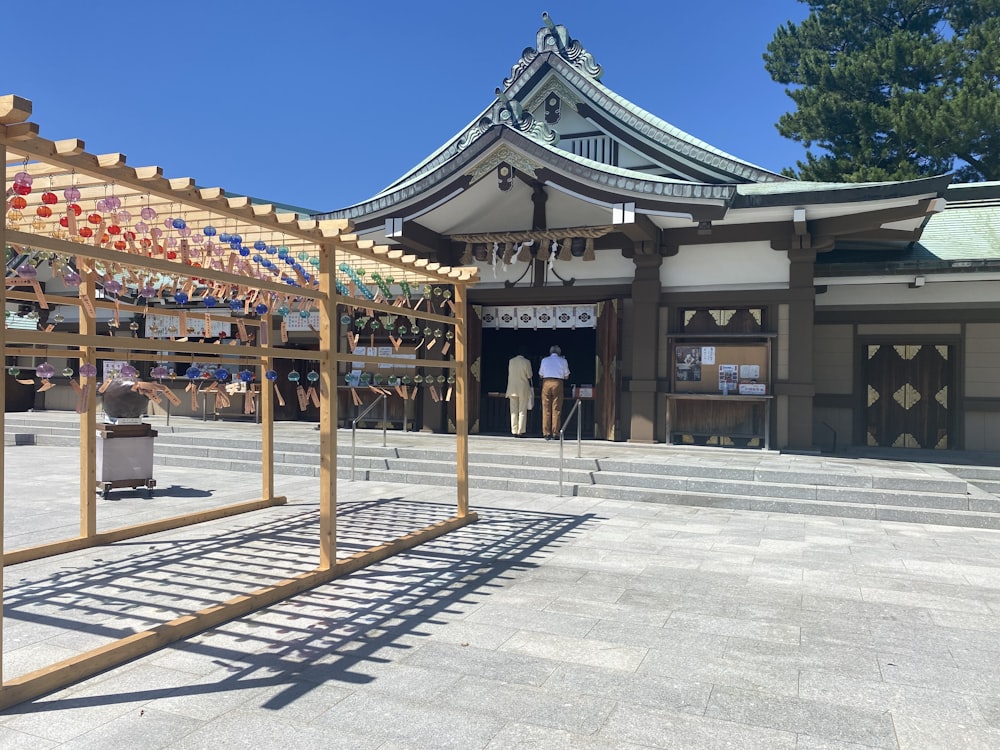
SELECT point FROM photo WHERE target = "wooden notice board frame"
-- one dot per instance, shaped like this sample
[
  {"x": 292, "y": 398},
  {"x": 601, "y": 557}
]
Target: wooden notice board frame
[{"x": 721, "y": 388}]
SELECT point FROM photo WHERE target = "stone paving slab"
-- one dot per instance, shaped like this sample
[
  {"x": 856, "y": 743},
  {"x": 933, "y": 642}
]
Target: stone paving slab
[{"x": 552, "y": 623}]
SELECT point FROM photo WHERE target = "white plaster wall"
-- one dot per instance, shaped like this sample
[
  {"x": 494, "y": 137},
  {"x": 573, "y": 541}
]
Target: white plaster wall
[
  {"x": 982, "y": 360},
  {"x": 898, "y": 293},
  {"x": 747, "y": 265},
  {"x": 982, "y": 431},
  {"x": 833, "y": 358}
]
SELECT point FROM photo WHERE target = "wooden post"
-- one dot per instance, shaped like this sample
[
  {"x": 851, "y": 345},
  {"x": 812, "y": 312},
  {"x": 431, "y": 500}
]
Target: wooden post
[
  {"x": 3, "y": 398},
  {"x": 327, "y": 410},
  {"x": 461, "y": 403},
  {"x": 266, "y": 407},
  {"x": 88, "y": 419}
]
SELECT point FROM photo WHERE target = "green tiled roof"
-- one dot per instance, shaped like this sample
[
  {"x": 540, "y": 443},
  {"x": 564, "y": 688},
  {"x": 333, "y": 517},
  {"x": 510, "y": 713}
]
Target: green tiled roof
[{"x": 969, "y": 228}]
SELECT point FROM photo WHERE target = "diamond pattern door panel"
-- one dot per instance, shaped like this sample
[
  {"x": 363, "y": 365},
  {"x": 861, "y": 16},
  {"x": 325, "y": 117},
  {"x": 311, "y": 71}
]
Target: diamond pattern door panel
[{"x": 907, "y": 388}]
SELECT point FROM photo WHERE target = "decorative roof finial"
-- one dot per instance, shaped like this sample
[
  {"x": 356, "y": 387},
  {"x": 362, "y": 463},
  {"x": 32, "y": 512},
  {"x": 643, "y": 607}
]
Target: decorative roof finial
[{"x": 554, "y": 38}]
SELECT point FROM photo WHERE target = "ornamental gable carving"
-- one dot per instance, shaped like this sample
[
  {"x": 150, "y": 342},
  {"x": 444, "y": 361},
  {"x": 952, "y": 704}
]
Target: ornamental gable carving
[{"x": 555, "y": 38}]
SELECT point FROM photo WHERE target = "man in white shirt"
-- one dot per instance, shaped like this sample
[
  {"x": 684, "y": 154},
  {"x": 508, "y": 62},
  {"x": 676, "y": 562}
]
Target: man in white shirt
[{"x": 553, "y": 371}]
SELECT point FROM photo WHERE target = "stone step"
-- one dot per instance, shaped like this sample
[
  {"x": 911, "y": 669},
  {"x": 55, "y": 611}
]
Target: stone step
[
  {"x": 916, "y": 493},
  {"x": 921, "y": 481},
  {"x": 969, "y": 518},
  {"x": 794, "y": 491},
  {"x": 991, "y": 486}
]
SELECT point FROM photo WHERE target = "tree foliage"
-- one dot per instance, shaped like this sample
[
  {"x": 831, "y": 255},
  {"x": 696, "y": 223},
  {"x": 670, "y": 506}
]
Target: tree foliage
[{"x": 892, "y": 89}]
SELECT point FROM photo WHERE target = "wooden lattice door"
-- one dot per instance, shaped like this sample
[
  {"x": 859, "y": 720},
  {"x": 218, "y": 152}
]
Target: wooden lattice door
[{"x": 908, "y": 391}]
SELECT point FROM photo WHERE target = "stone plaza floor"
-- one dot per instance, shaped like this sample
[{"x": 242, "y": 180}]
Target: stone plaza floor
[{"x": 551, "y": 623}]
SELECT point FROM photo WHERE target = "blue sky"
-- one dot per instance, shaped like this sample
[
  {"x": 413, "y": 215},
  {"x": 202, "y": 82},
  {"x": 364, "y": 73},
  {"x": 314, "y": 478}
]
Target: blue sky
[{"x": 322, "y": 104}]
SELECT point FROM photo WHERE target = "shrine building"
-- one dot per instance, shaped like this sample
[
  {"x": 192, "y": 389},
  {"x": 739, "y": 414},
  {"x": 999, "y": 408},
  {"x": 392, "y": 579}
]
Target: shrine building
[{"x": 700, "y": 298}]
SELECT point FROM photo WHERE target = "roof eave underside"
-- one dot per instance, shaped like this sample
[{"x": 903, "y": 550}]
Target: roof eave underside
[{"x": 621, "y": 182}]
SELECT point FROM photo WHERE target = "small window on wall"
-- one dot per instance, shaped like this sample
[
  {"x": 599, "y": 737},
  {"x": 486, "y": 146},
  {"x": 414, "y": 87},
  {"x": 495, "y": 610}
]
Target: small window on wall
[{"x": 709, "y": 321}]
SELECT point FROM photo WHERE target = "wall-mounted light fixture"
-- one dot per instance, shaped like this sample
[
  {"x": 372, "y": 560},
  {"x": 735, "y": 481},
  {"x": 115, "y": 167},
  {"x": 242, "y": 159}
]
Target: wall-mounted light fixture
[
  {"x": 704, "y": 227},
  {"x": 918, "y": 281}
]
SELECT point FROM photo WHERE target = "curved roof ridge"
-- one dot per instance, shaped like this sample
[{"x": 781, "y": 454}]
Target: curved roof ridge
[{"x": 634, "y": 116}]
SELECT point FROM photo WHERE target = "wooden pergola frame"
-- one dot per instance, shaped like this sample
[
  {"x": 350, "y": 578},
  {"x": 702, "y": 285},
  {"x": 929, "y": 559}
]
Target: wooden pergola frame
[{"x": 66, "y": 163}]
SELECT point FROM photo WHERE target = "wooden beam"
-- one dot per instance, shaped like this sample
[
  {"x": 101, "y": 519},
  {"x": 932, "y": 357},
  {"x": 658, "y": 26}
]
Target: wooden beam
[
  {"x": 641, "y": 230},
  {"x": 88, "y": 417},
  {"x": 726, "y": 233},
  {"x": 459, "y": 304},
  {"x": 327, "y": 410},
  {"x": 12, "y": 106},
  {"x": 22, "y": 131},
  {"x": 867, "y": 220},
  {"x": 42, "y": 339},
  {"x": 168, "y": 267},
  {"x": 120, "y": 534},
  {"x": 420, "y": 239},
  {"x": 14, "y": 109},
  {"x": 74, "y": 669}
]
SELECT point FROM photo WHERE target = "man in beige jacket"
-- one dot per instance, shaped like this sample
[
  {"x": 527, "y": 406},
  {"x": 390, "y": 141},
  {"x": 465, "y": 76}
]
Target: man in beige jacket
[{"x": 519, "y": 392}]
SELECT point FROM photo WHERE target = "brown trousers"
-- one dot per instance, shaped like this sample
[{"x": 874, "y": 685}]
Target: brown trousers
[{"x": 552, "y": 400}]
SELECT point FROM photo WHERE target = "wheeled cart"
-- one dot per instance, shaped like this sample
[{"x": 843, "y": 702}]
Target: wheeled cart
[{"x": 125, "y": 457}]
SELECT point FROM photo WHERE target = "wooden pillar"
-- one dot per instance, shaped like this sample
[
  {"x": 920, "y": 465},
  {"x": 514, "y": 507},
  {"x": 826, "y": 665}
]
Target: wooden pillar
[
  {"x": 266, "y": 407},
  {"x": 800, "y": 387},
  {"x": 3, "y": 399},
  {"x": 461, "y": 401},
  {"x": 327, "y": 409},
  {"x": 539, "y": 220},
  {"x": 645, "y": 345},
  {"x": 88, "y": 417}
]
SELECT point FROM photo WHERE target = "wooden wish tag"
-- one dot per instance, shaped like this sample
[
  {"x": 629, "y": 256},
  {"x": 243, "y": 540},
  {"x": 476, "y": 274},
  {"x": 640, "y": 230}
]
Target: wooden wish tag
[
  {"x": 300, "y": 394},
  {"x": 79, "y": 394},
  {"x": 171, "y": 396},
  {"x": 313, "y": 396},
  {"x": 42, "y": 302},
  {"x": 277, "y": 395}
]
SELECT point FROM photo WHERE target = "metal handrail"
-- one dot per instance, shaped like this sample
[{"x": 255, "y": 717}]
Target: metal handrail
[
  {"x": 354, "y": 427},
  {"x": 562, "y": 435}
]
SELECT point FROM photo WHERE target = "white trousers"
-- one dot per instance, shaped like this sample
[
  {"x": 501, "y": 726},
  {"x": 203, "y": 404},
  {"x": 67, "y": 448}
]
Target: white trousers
[{"x": 518, "y": 415}]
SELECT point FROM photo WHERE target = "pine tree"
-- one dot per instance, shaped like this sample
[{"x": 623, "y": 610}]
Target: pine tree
[{"x": 892, "y": 89}]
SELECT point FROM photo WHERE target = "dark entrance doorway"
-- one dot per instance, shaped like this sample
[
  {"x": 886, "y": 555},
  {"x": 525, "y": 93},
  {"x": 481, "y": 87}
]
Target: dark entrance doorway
[
  {"x": 909, "y": 395},
  {"x": 579, "y": 346}
]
